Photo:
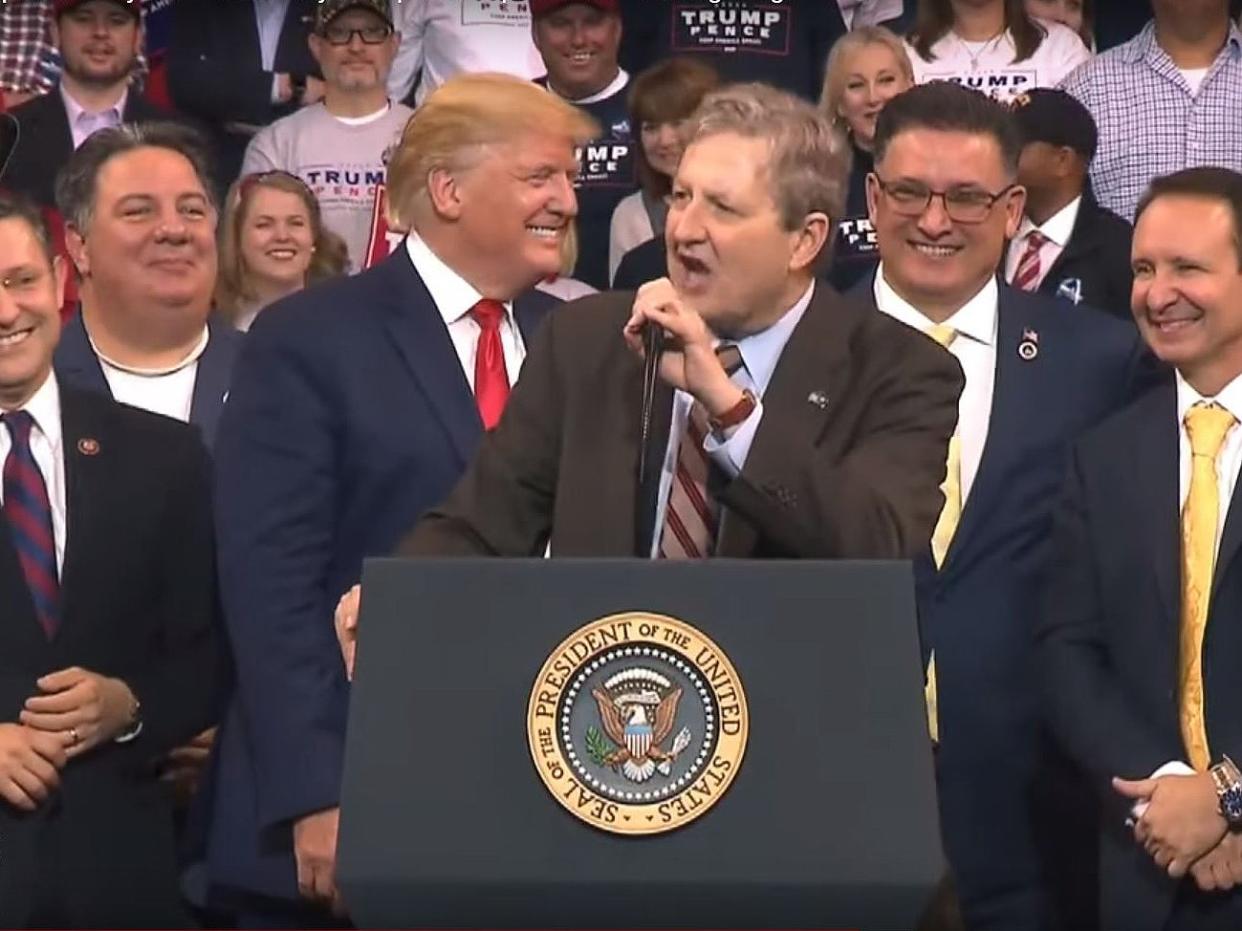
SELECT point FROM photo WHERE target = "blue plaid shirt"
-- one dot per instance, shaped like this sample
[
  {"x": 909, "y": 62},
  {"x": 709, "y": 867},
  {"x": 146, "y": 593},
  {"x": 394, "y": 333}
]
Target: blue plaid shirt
[{"x": 1149, "y": 122}]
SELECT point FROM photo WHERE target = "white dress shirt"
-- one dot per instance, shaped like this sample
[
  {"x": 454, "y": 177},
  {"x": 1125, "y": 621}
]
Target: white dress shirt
[
  {"x": 1228, "y": 463},
  {"x": 454, "y": 297},
  {"x": 83, "y": 122},
  {"x": 46, "y": 446},
  {"x": 269, "y": 20},
  {"x": 859, "y": 13},
  {"x": 1056, "y": 231},
  {"x": 975, "y": 349},
  {"x": 760, "y": 354},
  {"x": 168, "y": 391}
]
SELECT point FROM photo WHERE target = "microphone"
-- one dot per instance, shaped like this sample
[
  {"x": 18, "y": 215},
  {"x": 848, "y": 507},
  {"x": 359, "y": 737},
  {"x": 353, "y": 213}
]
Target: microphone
[
  {"x": 9, "y": 133},
  {"x": 653, "y": 345}
]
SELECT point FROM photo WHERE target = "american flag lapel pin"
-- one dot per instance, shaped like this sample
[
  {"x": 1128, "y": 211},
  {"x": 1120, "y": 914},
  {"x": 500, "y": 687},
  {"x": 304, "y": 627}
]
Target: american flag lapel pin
[{"x": 1028, "y": 349}]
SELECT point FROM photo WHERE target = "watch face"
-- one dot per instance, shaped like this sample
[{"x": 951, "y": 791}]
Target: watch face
[{"x": 1232, "y": 804}]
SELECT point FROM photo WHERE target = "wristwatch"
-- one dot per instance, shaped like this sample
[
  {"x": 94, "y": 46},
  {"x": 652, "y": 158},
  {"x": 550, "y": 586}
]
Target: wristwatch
[
  {"x": 736, "y": 414},
  {"x": 1228, "y": 782}
]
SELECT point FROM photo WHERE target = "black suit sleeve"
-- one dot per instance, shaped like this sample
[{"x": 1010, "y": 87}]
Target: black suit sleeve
[
  {"x": 179, "y": 693},
  {"x": 209, "y": 79},
  {"x": 1085, "y": 703}
]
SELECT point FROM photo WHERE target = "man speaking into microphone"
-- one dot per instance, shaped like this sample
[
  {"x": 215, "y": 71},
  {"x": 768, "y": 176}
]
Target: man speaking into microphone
[{"x": 784, "y": 420}]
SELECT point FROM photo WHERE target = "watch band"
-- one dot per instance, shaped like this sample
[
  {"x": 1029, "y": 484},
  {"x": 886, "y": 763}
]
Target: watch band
[
  {"x": 736, "y": 414},
  {"x": 1228, "y": 781}
]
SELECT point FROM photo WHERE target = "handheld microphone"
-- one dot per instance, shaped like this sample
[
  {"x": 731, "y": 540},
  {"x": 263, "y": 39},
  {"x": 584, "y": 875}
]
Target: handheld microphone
[
  {"x": 9, "y": 133},
  {"x": 653, "y": 345}
]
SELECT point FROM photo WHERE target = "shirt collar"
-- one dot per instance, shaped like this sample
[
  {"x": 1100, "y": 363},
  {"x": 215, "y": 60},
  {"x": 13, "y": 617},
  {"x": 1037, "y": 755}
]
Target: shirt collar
[
  {"x": 1229, "y": 397},
  {"x": 761, "y": 351},
  {"x": 76, "y": 111},
  {"x": 975, "y": 319},
  {"x": 1058, "y": 228},
  {"x": 453, "y": 295},
  {"x": 44, "y": 409},
  {"x": 1145, "y": 47},
  {"x": 615, "y": 87}
]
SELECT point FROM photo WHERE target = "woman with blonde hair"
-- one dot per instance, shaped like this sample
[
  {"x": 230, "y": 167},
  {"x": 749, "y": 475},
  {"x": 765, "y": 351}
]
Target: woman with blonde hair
[
  {"x": 272, "y": 243},
  {"x": 866, "y": 68}
]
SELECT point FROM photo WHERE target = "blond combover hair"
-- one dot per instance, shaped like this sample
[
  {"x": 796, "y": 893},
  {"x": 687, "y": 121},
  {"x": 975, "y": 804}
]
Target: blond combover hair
[
  {"x": 810, "y": 160},
  {"x": 464, "y": 115},
  {"x": 838, "y": 58}
]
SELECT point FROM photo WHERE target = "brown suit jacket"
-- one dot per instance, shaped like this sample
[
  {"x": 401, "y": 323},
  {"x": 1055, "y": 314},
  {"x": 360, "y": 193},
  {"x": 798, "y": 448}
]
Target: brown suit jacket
[{"x": 855, "y": 477}]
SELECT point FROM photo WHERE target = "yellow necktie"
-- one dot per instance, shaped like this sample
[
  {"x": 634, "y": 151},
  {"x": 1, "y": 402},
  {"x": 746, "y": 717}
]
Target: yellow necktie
[
  {"x": 946, "y": 526},
  {"x": 1206, "y": 427}
]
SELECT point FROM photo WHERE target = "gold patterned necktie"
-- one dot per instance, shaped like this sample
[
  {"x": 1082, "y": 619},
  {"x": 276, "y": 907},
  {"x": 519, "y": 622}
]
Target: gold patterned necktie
[
  {"x": 1206, "y": 428},
  {"x": 946, "y": 526}
]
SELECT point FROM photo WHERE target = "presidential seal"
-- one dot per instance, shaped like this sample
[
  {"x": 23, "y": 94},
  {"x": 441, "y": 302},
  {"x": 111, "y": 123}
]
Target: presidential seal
[{"x": 637, "y": 723}]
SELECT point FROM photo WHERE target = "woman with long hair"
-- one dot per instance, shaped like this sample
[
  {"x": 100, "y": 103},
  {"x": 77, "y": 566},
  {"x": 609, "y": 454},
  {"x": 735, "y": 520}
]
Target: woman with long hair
[
  {"x": 993, "y": 46},
  {"x": 272, "y": 243},
  {"x": 866, "y": 68},
  {"x": 660, "y": 100}
]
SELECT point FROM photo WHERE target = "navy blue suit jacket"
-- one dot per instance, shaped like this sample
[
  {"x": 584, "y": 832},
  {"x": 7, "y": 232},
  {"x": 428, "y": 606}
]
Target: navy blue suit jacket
[
  {"x": 978, "y": 611},
  {"x": 76, "y": 364},
  {"x": 348, "y": 418},
  {"x": 1108, "y": 644}
]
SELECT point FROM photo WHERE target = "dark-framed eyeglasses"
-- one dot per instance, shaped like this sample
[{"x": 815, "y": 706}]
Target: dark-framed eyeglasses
[
  {"x": 370, "y": 35},
  {"x": 963, "y": 204}
]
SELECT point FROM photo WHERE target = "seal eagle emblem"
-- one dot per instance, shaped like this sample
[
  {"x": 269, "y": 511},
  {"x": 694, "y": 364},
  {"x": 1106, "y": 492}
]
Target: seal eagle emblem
[{"x": 637, "y": 723}]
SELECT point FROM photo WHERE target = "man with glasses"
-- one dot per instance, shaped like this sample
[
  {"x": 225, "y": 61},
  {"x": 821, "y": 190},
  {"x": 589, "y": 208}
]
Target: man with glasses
[
  {"x": 340, "y": 147},
  {"x": 944, "y": 198}
]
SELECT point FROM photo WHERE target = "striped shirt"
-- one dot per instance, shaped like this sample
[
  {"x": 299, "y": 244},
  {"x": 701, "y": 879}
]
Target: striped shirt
[{"x": 1150, "y": 121}]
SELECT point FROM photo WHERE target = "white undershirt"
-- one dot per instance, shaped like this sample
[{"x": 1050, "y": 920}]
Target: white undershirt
[
  {"x": 1194, "y": 78},
  {"x": 47, "y": 448},
  {"x": 975, "y": 349},
  {"x": 168, "y": 391},
  {"x": 454, "y": 297}
]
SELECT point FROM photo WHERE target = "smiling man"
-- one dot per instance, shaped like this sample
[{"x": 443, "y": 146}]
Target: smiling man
[
  {"x": 943, "y": 199},
  {"x": 1141, "y": 632},
  {"x": 340, "y": 146},
  {"x": 578, "y": 41},
  {"x": 356, "y": 406}
]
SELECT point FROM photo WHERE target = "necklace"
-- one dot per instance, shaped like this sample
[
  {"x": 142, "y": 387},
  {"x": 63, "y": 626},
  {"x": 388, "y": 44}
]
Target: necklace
[{"x": 984, "y": 47}]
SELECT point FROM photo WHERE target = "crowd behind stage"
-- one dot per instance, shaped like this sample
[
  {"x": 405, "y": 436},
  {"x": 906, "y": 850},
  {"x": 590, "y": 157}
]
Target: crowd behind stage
[{"x": 951, "y": 281}]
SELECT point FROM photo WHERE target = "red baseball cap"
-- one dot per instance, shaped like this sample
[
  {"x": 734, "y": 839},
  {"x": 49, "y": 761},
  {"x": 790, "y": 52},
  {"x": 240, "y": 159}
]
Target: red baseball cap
[
  {"x": 64, "y": 6},
  {"x": 543, "y": 7}
]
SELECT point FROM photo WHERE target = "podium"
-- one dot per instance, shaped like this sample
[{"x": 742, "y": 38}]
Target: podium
[{"x": 472, "y": 692}]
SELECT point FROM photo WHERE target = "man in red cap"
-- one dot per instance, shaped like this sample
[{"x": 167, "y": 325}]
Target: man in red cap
[{"x": 578, "y": 41}]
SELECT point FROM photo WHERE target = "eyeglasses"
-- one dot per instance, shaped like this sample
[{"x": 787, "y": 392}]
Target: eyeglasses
[
  {"x": 370, "y": 35},
  {"x": 963, "y": 204}
]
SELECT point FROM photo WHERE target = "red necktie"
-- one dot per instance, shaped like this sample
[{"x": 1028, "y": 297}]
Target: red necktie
[
  {"x": 1026, "y": 278},
  {"x": 29, "y": 516},
  {"x": 491, "y": 380}
]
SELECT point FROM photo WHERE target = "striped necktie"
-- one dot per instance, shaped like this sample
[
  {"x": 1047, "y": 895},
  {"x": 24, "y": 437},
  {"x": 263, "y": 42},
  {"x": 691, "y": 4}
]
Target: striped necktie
[
  {"x": 692, "y": 517},
  {"x": 29, "y": 516},
  {"x": 1027, "y": 277}
]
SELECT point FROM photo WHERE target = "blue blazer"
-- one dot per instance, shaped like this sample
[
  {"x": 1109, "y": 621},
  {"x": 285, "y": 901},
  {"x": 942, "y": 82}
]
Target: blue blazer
[
  {"x": 349, "y": 416},
  {"x": 978, "y": 612},
  {"x": 1108, "y": 646},
  {"x": 77, "y": 365}
]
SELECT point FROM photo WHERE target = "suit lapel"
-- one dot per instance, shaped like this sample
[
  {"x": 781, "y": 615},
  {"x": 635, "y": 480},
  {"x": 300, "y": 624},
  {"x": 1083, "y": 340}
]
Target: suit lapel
[
  {"x": 421, "y": 338},
  {"x": 1157, "y": 449},
  {"x": 87, "y": 475},
  {"x": 1015, "y": 400},
  {"x": 813, "y": 365},
  {"x": 76, "y": 361},
  {"x": 211, "y": 381}
]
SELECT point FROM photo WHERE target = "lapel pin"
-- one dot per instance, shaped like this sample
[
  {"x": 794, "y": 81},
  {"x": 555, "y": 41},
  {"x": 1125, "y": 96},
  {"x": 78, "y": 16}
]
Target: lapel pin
[
  {"x": 88, "y": 446},
  {"x": 1028, "y": 349},
  {"x": 225, "y": 399},
  {"x": 819, "y": 399}
]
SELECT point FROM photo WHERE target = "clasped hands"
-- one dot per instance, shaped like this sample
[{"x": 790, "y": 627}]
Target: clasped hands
[
  {"x": 1180, "y": 826},
  {"x": 75, "y": 711}
]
